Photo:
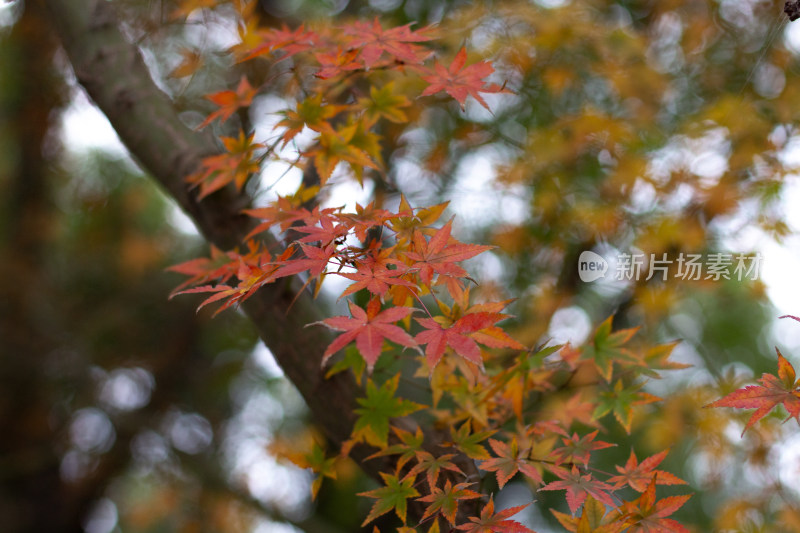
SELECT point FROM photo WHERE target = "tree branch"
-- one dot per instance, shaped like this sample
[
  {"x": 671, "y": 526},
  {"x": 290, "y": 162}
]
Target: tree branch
[{"x": 112, "y": 71}]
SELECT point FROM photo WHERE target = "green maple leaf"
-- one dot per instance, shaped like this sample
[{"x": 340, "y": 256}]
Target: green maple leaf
[
  {"x": 620, "y": 400},
  {"x": 469, "y": 442},
  {"x": 377, "y": 408},
  {"x": 391, "y": 496},
  {"x": 384, "y": 103},
  {"x": 607, "y": 348},
  {"x": 407, "y": 449}
]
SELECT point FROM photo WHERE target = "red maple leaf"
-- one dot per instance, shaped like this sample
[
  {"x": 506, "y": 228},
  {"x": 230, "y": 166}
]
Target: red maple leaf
[
  {"x": 368, "y": 328},
  {"x": 323, "y": 226},
  {"x": 457, "y": 336},
  {"x": 230, "y": 101},
  {"x": 315, "y": 261},
  {"x": 578, "y": 487},
  {"x": 459, "y": 81},
  {"x": 638, "y": 475},
  {"x": 508, "y": 462},
  {"x": 373, "y": 41},
  {"x": 773, "y": 391},
  {"x": 489, "y": 522},
  {"x": 440, "y": 253},
  {"x": 373, "y": 274}
]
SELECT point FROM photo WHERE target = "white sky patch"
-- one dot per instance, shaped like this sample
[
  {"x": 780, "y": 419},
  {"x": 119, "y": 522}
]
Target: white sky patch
[
  {"x": 265, "y": 361},
  {"x": 569, "y": 324},
  {"x": 84, "y": 127},
  {"x": 478, "y": 199},
  {"x": 705, "y": 156},
  {"x": 791, "y": 38},
  {"x": 789, "y": 461}
]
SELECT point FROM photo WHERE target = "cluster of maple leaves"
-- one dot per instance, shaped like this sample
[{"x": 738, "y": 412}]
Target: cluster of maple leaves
[{"x": 403, "y": 265}]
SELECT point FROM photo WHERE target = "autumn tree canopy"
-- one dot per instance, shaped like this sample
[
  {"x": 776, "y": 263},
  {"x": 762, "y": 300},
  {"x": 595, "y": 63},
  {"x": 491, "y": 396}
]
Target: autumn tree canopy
[{"x": 507, "y": 257}]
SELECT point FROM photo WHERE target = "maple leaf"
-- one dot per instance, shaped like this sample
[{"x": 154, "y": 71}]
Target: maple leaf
[
  {"x": 593, "y": 519},
  {"x": 638, "y": 475},
  {"x": 384, "y": 103},
  {"x": 267, "y": 41},
  {"x": 377, "y": 408},
  {"x": 409, "y": 445},
  {"x": 220, "y": 266},
  {"x": 283, "y": 211},
  {"x": 372, "y": 41},
  {"x": 579, "y": 449},
  {"x": 431, "y": 465},
  {"x": 320, "y": 465},
  {"x": 606, "y": 349},
  {"x": 773, "y": 391},
  {"x": 407, "y": 221},
  {"x": 374, "y": 275},
  {"x": 343, "y": 145},
  {"x": 457, "y": 336},
  {"x": 336, "y": 63},
  {"x": 491, "y": 522},
  {"x": 509, "y": 461},
  {"x": 440, "y": 254},
  {"x": 366, "y": 218},
  {"x": 230, "y": 101},
  {"x": 459, "y": 81},
  {"x": 578, "y": 487},
  {"x": 620, "y": 400},
  {"x": 323, "y": 227},
  {"x": 310, "y": 112},
  {"x": 315, "y": 261},
  {"x": 235, "y": 166},
  {"x": 650, "y": 516},
  {"x": 368, "y": 328},
  {"x": 657, "y": 358},
  {"x": 469, "y": 442},
  {"x": 445, "y": 501},
  {"x": 393, "y": 495}
]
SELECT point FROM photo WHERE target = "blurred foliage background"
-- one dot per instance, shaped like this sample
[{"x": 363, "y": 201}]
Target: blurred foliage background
[{"x": 659, "y": 126}]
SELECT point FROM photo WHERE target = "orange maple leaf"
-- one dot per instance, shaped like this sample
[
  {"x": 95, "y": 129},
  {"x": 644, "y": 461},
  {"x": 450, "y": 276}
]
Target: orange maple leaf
[
  {"x": 230, "y": 101},
  {"x": 650, "y": 515},
  {"x": 236, "y": 165}
]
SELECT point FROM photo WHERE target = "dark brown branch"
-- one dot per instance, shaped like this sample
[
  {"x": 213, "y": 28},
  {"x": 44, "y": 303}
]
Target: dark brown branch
[{"x": 116, "y": 78}]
